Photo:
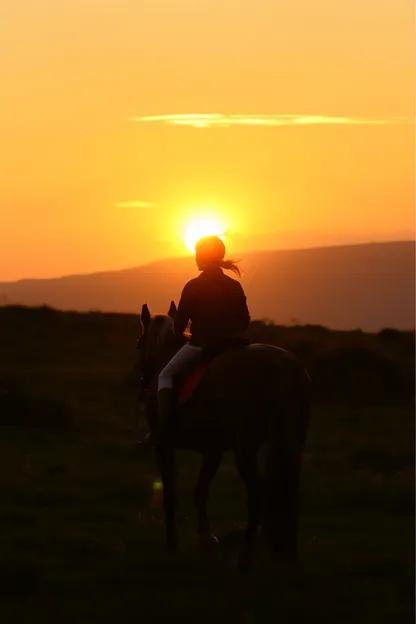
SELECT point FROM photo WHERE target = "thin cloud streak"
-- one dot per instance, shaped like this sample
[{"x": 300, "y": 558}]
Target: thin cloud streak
[
  {"x": 135, "y": 204},
  {"x": 212, "y": 120}
]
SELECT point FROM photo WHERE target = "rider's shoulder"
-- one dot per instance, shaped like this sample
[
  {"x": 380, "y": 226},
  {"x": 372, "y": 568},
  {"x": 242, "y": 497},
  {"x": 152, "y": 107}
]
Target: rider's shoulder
[
  {"x": 191, "y": 284},
  {"x": 233, "y": 282}
]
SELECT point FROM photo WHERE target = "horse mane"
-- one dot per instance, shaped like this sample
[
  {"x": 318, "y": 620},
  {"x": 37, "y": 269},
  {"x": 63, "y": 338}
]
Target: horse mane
[
  {"x": 161, "y": 328},
  {"x": 160, "y": 340}
]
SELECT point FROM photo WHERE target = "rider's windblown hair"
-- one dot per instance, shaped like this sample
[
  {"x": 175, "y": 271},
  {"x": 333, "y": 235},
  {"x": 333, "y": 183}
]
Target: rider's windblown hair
[{"x": 211, "y": 251}]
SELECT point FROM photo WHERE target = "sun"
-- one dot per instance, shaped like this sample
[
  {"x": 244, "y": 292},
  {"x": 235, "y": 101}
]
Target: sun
[{"x": 200, "y": 228}]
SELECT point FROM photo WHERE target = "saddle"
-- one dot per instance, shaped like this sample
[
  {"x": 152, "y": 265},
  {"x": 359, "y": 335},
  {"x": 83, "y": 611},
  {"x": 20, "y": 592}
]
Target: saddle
[{"x": 189, "y": 381}]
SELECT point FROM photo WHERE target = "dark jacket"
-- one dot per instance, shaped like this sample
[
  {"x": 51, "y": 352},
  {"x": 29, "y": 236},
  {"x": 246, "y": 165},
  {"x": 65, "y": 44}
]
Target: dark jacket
[{"x": 216, "y": 305}]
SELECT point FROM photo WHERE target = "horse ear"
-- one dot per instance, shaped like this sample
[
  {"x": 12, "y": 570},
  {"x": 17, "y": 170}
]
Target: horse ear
[
  {"x": 145, "y": 316},
  {"x": 172, "y": 309}
]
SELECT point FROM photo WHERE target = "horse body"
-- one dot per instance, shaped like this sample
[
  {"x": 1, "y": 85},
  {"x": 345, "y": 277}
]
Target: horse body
[
  {"x": 241, "y": 388},
  {"x": 250, "y": 397}
]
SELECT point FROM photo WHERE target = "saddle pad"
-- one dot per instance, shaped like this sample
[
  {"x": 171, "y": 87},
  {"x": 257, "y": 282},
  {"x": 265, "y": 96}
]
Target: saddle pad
[{"x": 191, "y": 382}]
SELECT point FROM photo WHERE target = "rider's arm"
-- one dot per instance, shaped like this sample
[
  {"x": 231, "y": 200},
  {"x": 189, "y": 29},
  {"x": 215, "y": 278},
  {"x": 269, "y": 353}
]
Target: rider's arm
[{"x": 184, "y": 311}]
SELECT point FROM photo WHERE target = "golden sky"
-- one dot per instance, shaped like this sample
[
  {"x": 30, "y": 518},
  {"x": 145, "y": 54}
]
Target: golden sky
[{"x": 121, "y": 120}]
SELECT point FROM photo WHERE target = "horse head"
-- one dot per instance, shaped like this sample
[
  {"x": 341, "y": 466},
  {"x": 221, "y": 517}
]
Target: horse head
[{"x": 158, "y": 342}]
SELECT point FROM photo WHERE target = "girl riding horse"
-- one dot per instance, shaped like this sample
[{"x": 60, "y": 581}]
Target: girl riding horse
[{"x": 216, "y": 307}]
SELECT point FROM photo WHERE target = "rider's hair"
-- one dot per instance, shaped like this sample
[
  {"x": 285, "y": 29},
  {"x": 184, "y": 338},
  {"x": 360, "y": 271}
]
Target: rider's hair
[
  {"x": 230, "y": 265},
  {"x": 212, "y": 250}
]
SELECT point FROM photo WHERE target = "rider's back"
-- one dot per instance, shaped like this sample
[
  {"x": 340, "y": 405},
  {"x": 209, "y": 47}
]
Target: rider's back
[{"x": 217, "y": 307}]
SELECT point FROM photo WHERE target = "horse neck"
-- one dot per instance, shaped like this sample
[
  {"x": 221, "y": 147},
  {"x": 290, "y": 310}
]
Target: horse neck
[{"x": 166, "y": 353}]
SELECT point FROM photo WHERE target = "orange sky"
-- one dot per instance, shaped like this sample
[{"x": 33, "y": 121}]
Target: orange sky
[{"x": 89, "y": 182}]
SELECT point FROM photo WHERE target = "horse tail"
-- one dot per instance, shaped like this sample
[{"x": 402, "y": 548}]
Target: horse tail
[{"x": 283, "y": 459}]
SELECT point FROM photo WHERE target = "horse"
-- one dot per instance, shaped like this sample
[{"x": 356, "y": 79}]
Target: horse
[{"x": 251, "y": 397}]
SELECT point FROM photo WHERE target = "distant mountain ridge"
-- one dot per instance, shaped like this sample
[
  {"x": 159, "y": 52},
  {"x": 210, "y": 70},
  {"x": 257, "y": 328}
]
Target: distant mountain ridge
[{"x": 364, "y": 286}]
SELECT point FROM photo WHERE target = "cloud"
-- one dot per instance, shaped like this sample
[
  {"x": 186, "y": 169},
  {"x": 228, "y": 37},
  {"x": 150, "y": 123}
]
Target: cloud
[
  {"x": 212, "y": 120},
  {"x": 135, "y": 204}
]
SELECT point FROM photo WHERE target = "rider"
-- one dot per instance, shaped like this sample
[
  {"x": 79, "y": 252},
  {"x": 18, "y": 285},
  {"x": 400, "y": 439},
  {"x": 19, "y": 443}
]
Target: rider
[{"x": 215, "y": 304}]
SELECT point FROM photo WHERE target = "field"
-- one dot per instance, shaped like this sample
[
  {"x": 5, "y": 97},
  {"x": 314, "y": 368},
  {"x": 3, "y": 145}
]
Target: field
[{"x": 81, "y": 533}]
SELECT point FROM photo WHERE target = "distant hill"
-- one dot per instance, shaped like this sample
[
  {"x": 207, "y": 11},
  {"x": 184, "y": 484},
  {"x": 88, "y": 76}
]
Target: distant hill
[{"x": 367, "y": 286}]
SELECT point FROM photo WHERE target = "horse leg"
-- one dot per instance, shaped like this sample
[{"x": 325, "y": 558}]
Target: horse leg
[
  {"x": 211, "y": 461},
  {"x": 248, "y": 470},
  {"x": 283, "y": 469},
  {"x": 165, "y": 460},
  {"x": 281, "y": 511}
]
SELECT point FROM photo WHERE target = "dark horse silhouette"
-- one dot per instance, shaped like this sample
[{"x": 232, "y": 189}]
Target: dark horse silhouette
[{"x": 251, "y": 397}]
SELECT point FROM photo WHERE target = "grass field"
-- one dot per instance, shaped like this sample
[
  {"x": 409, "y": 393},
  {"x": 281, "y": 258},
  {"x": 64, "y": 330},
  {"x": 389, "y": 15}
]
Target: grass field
[{"x": 81, "y": 534}]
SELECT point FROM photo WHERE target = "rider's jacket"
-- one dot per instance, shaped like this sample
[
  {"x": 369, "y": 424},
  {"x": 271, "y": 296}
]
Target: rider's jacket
[{"x": 216, "y": 306}]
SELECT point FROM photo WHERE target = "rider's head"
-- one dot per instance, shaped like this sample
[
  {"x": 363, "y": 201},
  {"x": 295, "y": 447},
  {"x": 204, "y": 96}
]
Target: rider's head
[{"x": 210, "y": 253}]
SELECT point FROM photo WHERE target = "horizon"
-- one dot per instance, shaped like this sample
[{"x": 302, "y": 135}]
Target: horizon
[
  {"x": 124, "y": 127},
  {"x": 367, "y": 286},
  {"x": 188, "y": 256}
]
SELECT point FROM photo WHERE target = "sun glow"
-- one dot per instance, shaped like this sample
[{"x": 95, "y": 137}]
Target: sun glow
[{"x": 200, "y": 228}]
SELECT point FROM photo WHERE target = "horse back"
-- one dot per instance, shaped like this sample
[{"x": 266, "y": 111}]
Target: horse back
[{"x": 245, "y": 389}]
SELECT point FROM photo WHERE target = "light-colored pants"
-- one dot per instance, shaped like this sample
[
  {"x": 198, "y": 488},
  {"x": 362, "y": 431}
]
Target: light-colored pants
[{"x": 187, "y": 355}]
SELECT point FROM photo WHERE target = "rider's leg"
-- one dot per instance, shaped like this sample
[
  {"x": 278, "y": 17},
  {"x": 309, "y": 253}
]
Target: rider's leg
[{"x": 186, "y": 356}]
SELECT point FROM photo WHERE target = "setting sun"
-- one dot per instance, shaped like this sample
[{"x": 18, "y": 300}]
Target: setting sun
[{"x": 200, "y": 228}]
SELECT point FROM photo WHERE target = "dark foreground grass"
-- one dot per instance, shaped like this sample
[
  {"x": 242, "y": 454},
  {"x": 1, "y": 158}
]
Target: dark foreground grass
[
  {"x": 81, "y": 524},
  {"x": 81, "y": 529}
]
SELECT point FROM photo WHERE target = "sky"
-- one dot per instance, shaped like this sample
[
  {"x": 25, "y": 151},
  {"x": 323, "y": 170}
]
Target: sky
[{"x": 122, "y": 121}]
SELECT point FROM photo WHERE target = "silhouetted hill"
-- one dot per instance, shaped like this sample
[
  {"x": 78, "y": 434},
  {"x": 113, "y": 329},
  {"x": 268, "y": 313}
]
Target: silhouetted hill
[{"x": 368, "y": 286}]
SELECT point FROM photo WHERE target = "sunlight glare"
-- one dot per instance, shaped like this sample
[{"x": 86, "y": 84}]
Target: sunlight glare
[{"x": 200, "y": 228}]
